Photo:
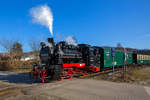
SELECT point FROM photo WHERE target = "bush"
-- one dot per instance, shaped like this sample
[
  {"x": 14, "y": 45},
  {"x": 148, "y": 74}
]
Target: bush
[{"x": 6, "y": 65}]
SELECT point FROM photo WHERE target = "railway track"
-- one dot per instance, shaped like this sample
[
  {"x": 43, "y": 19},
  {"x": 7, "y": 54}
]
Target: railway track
[
  {"x": 118, "y": 70},
  {"x": 8, "y": 90},
  {"x": 95, "y": 74}
]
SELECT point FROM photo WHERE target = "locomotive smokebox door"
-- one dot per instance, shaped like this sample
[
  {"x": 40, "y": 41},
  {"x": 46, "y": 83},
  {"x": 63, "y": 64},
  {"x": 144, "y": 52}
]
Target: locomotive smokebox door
[{"x": 113, "y": 52}]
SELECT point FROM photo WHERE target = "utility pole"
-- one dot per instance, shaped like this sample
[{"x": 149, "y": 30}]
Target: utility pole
[
  {"x": 125, "y": 62},
  {"x": 113, "y": 60}
]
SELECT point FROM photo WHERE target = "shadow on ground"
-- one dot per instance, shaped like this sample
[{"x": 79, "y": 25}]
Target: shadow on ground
[{"x": 18, "y": 78}]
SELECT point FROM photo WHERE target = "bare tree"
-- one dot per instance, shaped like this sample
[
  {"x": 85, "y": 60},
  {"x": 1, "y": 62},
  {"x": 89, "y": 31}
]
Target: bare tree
[
  {"x": 119, "y": 45},
  {"x": 17, "y": 50},
  {"x": 13, "y": 47},
  {"x": 7, "y": 44},
  {"x": 35, "y": 46}
]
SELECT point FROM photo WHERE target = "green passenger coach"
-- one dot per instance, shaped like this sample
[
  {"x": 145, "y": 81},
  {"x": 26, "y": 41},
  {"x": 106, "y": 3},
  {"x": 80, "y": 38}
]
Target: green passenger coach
[
  {"x": 108, "y": 59},
  {"x": 131, "y": 56},
  {"x": 119, "y": 57},
  {"x": 143, "y": 58}
]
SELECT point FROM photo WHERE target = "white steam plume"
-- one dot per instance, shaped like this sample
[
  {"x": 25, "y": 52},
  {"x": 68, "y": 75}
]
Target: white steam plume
[
  {"x": 43, "y": 15},
  {"x": 71, "y": 40}
]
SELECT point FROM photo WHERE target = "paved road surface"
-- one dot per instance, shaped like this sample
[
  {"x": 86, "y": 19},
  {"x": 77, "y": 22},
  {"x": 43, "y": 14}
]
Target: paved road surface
[
  {"x": 86, "y": 89},
  {"x": 80, "y": 89}
]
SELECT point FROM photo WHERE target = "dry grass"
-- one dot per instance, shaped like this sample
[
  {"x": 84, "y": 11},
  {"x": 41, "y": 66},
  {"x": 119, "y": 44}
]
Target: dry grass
[
  {"x": 17, "y": 65},
  {"x": 142, "y": 74},
  {"x": 134, "y": 74},
  {"x": 20, "y": 70}
]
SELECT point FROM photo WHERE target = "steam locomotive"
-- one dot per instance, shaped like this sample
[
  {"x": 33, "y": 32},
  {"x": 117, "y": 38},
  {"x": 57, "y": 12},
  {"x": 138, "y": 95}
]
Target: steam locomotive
[{"x": 63, "y": 60}]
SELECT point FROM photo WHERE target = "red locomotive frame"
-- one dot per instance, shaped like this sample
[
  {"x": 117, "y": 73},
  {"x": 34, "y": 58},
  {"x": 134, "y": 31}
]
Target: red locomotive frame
[{"x": 67, "y": 71}]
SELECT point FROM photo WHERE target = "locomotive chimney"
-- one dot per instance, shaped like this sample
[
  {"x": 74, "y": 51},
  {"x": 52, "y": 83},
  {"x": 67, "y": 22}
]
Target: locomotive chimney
[{"x": 51, "y": 40}]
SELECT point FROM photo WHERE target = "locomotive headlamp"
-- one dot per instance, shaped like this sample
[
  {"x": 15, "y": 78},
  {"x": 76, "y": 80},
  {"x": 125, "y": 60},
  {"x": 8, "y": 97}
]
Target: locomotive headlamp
[{"x": 34, "y": 65}]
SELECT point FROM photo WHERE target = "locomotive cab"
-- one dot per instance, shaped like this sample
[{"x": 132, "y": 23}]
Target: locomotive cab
[{"x": 91, "y": 56}]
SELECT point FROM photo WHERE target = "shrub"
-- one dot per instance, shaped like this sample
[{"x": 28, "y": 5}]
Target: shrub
[{"x": 15, "y": 64}]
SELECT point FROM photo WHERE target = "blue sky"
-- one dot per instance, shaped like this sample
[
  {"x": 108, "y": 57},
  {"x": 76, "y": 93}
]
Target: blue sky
[{"x": 97, "y": 22}]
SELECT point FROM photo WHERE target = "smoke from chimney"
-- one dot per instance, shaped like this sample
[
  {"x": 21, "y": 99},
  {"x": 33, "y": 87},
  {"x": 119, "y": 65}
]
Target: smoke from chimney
[
  {"x": 71, "y": 40},
  {"x": 43, "y": 15}
]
